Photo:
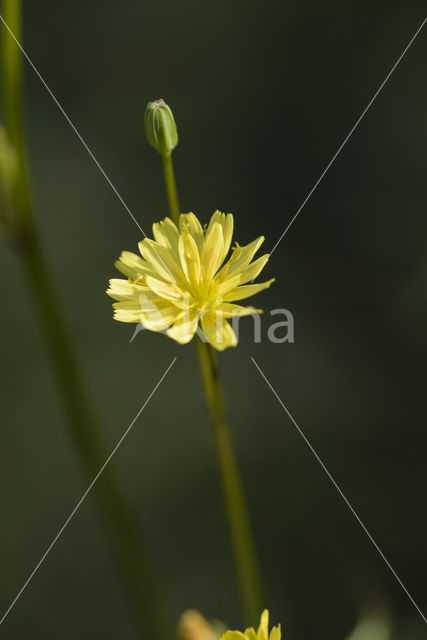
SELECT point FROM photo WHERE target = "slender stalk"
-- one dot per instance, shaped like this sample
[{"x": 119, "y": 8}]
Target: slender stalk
[
  {"x": 123, "y": 530},
  {"x": 235, "y": 505},
  {"x": 170, "y": 184},
  {"x": 234, "y": 499}
]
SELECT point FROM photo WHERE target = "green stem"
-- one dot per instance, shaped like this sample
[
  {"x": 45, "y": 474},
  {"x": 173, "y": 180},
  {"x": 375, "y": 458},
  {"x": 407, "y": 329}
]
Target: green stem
[
  {"x": 126, "y": 538},
  {"x": 12, "y": 106},
  {"x": 170, "y": 184},
  {"x": 123, "y": 530},
  {"x": 235, "y": 505}
]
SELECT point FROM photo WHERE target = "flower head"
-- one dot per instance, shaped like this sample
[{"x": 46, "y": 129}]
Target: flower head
[
  {"x": 251, "y": 634},
  {"x": 181, "y": 279}
]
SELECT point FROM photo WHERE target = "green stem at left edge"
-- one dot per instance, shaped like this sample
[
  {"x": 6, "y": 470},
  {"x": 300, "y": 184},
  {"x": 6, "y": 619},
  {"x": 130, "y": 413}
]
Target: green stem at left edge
[
  {"x": 234, "y": 500},
  {"x": 126, "y": 539}
]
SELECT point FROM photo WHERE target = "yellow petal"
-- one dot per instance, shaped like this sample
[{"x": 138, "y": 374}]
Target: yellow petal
[
  {"x": 156, "y": 313},
  {"x": 194, "y": 227},
  {"x": 212, "y": 251},
  {"x": 233, "y": 635},
  {"x": 160, "y": 319},
  {"x": 227, "y": 225},
  {"x": 227, "y": 231},
  {"x": 127, "y": 311},
  {"x": 254, "y": 268},
  {"x": 132, "y": 265},
  {"x": 215, "y": 217},
  {"x": 227, "y": 285},
  {"x": 145, "y": 307},
  {"x": 166, "y": 233},
  {"x": 123, "y": 289},
  {"x": 239, "y": 293},
  {"x": 276, "y": 633},
  {"x": 184, "y": 329},
  {"x": 133, "y": 309},
  {"x": 133, "y": 306},
  {"x": 189, "y": 255},
  {"x": 161, "y": 260},
  {"x": 241, "y": 257},
  {"x": 262, "y": 633},
  {"x": 218, "y": 331},
  {"x": 166, "y": 290},
  {"x": 250, "y": 634},
  {"x": 232, "y": 310}
]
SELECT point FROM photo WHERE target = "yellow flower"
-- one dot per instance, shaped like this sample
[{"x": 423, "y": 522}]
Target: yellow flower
[
  {"x": 181, "y": 279},
  {"x": 251, "y": 634}
]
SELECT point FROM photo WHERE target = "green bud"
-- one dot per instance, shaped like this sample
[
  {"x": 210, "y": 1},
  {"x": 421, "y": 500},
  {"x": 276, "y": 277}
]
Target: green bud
[{"x": 160, "y": 127}]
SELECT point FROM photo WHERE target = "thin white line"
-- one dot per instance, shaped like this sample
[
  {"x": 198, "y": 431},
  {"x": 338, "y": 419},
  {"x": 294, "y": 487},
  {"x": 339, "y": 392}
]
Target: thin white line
[
  {"x": 340, "y": 148},
  {"x": 42, "y": 559},
  {"x": 341, "y": 493},
  {"x": 85, "y": 145},
  {"x": 52, "y": 95}
]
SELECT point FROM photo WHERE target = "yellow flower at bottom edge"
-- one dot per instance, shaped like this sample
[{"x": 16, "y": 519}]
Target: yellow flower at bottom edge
[
  {"x": 181, "y": 279},
  {"x": 251, "y": 634}
]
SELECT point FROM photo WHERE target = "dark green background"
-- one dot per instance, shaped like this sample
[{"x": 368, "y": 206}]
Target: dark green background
[{"x": 263, "y": 94}]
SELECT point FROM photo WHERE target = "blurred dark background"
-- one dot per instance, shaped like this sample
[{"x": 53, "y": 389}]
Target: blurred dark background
[{"x": 263, "y": 95}]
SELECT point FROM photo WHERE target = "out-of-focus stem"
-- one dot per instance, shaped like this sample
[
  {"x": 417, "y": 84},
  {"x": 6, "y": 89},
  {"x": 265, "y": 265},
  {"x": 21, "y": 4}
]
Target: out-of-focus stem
[
  {"x": 234, "y": 499},
  {"x": 13, "y": 109},
  {"x": 123, "y": 530}
]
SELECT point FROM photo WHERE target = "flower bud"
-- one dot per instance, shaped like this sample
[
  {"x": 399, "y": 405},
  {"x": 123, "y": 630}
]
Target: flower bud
[{"x": 160, "y": 127}]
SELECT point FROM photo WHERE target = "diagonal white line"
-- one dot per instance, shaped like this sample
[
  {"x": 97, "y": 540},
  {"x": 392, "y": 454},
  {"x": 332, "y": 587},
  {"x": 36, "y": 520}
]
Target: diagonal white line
[
  {"x": 43, "y": 558},
  {"x": 339, "y": 491},
  {"x": 346, "y": 139},
  {"x": 58, "y": 104},
  {"x": 85, "y": 145}
]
